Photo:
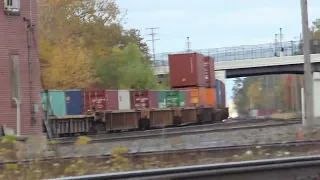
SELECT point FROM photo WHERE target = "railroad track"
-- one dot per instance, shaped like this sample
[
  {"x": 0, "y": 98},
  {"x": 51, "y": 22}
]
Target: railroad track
[
  {"x": 215, "y": 151},
  {"x": 302, "y": 168},
  {"x": 179, "y": 131}
]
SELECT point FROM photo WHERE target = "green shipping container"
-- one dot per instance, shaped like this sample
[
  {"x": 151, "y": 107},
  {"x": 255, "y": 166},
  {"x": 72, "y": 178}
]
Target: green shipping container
[
  {"x": 162, "y": 98},
  {"x": 57, "y": 102},
  {"x": 173, "y": 99}
]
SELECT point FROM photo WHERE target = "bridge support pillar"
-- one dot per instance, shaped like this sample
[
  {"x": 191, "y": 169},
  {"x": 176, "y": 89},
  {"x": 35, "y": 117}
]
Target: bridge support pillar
[{"x": 316, "y": 100}]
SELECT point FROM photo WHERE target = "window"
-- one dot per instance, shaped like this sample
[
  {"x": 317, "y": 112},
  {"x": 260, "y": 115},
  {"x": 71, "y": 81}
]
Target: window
[
  {"x": 15, "y": 76},
  {"x": 9, "y": 2}
]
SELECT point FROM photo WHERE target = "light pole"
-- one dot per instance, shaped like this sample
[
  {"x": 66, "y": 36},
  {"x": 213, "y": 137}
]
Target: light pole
[
  {"x": 17, "y": 101},
  {"x": 308, "y": 78}
]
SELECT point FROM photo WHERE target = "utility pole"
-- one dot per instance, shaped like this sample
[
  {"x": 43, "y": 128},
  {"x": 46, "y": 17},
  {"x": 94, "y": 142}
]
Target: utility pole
[
  {"x": 308, "y": 87},
  {"x": 188, "y": 44},
  {"x": 152, "y": 34},
  {"x": 282, "y": 49}
]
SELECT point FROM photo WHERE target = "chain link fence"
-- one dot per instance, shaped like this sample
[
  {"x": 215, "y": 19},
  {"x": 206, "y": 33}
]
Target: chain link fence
[{"x": 240, "y": 52}]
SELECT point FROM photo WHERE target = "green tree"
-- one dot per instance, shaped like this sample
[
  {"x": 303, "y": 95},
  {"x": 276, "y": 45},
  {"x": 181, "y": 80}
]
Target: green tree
[{"x": 125, "y": 68}]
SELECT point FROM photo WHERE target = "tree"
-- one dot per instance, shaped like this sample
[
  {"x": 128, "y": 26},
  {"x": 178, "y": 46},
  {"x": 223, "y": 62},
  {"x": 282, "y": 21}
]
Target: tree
[
  {"x": 125, "y": 68},
  {"x": 88, "y": 36},
  {"x": 254, "y": 94},
  {"x": 69, "y": 67}
]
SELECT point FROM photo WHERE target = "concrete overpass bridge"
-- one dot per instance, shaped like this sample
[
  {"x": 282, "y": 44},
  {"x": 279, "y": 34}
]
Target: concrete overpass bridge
[{"x": 253, "y": 60}]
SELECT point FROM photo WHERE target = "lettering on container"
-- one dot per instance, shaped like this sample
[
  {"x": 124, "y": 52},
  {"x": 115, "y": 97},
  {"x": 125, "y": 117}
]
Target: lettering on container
[
  {"x": 141, "y": 102},
  {"x": 98, "y": 103}
]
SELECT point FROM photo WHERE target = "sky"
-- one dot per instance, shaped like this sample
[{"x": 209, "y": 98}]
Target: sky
[{"x": 214, "y": 24}]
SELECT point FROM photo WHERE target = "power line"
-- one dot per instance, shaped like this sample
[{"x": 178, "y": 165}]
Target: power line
[{"x": 152, "y": 34}]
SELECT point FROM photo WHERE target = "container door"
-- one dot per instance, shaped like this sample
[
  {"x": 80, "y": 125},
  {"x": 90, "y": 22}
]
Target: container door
[
  {"x": 153, "y": 99},
  {"x": 124, "y": 99},
  {"x": 162, "y": 103},
  {"x": 94, "y": 100},
  {"x": 140, "y": 99},
  {"x": 210, "y": 96},
  {"x": 195, "y": 96},
  {"x": 112, "y": 100},
  {"x": 58, "y": 103},
  {"x": 203, "y": 96},
  {"x": 74, "y": 102}
]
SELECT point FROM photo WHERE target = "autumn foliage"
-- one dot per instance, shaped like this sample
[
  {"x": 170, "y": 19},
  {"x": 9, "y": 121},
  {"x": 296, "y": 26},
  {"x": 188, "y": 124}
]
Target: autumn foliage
[{"x": 83, "y": 42}]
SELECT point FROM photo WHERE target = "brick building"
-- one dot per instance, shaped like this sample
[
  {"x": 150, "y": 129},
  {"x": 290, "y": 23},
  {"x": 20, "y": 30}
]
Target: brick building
[{"x": 19, "y": 66}]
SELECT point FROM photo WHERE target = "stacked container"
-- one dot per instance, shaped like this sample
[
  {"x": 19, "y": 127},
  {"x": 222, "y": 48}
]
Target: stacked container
[
  {"x": 188, "y": 73},
  {"x": 187, "y": 70}
]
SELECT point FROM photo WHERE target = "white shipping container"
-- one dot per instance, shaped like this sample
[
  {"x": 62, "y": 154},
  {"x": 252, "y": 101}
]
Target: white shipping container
[{"x": 124, "y": 99}]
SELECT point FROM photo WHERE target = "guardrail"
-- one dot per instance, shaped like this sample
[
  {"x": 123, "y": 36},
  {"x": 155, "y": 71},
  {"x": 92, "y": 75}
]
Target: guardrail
[{"x": 306, "y": 167}]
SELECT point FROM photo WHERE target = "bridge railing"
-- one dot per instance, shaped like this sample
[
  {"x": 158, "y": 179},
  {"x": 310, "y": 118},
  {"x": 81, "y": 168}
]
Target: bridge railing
[
  {"x": 241, "y": 52},
  {"x": 284, "y": 167}
]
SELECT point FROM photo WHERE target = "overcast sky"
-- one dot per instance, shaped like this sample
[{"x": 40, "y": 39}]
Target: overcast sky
[{"x": 213, "y": 23}]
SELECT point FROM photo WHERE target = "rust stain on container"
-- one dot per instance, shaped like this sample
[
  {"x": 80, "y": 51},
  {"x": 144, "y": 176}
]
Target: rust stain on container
[{"x": 187, "y": 70}]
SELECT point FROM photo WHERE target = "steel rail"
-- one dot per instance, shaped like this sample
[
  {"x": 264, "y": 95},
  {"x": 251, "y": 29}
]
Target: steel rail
[
  {"x": 180, "y": 132},
  {"x": 218, "y": 171}
]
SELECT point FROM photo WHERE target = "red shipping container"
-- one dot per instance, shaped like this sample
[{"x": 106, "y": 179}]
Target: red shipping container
[
  {"x": 100, "y": 99},
  {"x": 210, "y": 75},
  {"x": 144, "y": 99},
  {"x": 187, "y": 70}
]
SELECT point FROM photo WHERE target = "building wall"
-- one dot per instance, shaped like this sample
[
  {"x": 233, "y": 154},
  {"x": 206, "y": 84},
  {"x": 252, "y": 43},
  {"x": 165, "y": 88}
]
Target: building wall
[{"x": 13, "y": 40}]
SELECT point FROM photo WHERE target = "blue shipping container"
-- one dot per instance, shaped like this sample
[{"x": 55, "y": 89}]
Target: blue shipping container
[
  {"x": 219, "y": 93},
  {"x": 74, "y": 102}
]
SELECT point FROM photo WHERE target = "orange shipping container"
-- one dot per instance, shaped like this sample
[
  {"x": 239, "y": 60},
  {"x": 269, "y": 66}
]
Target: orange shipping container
[
  {"x": 198, "y": 95},
  {"x": 212, "y": 97}
]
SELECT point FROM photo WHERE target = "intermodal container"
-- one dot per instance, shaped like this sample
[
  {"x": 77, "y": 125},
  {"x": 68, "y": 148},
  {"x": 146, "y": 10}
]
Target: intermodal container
[
  {"x": 198, "y": 96},
  {"x": 94, "y": 99},
  {"x": 210, "y": 76},
  {"x": 74, "y": 102},
  {"x": 144, "y": 99},
  {"x": 221, "y": 94},
  {"x": 186, "y": 70},
  {"x": 57, "y": 103},
  {"x": 124, "y": 99},
  {"x": 212, "y": 97},
  {"x": 112, "y": 102}
]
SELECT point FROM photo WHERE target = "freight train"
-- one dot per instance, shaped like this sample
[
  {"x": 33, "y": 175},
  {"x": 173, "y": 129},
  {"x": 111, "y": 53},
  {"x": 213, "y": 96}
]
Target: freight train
[
  {"x": 92, "y": 111},
  {"x": 196, "y": 97}
]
